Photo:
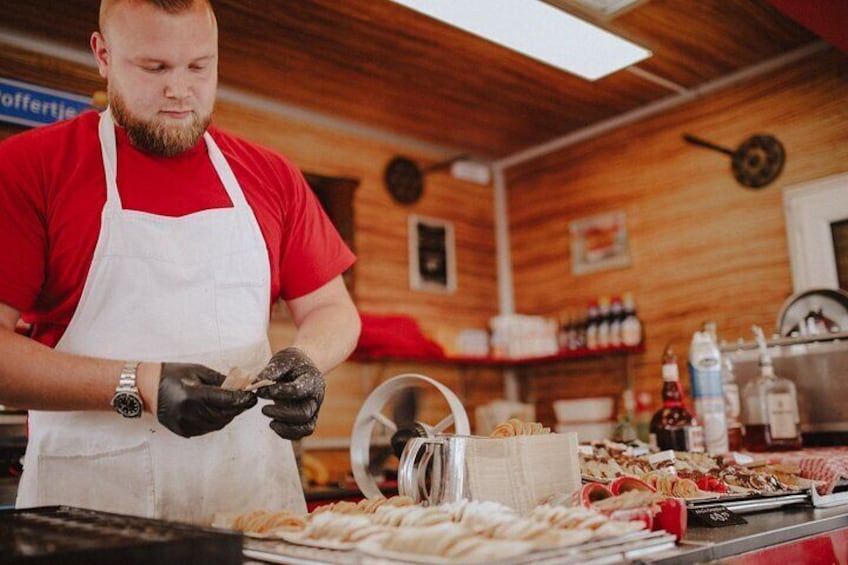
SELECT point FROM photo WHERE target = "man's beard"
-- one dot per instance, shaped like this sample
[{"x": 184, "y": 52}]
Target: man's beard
[{"x": 153, "y": 135}]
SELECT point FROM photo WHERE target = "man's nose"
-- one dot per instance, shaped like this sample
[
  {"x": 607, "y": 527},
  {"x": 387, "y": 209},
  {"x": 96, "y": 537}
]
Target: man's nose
[{"x": 178, "y": 85}]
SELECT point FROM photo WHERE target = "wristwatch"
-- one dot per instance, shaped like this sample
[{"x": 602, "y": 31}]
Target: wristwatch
[{"x": 127, "y": 400}]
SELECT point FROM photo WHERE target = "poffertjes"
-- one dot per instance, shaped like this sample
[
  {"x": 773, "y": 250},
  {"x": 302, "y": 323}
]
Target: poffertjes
[{"x": 515, "y": 427}]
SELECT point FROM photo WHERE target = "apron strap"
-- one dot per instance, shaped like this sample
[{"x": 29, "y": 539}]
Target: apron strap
[
  {"x": 225, "y": 173},
  {"x": 108, "y": 148}
]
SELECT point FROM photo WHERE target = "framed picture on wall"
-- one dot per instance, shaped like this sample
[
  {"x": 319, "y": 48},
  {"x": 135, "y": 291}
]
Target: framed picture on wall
[
  {"x": 432, "y": 255},
  {"x": 599, "y": 243}
]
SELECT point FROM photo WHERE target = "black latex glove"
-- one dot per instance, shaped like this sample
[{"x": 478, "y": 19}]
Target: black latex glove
[
  {"x": 192, "y": 402},
  {"x": 297, "y": 392}
]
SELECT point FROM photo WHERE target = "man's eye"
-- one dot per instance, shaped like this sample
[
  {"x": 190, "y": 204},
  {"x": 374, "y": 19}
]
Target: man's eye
[{"x": 154, "y": 68}]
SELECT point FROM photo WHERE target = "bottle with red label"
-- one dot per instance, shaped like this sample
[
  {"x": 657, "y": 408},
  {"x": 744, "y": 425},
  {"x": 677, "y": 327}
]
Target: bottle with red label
[{"x": 673, "y": 426}]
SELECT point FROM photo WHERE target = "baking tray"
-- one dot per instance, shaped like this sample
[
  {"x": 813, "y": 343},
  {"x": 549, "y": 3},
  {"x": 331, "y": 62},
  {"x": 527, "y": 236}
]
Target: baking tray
[
  {"x": 743, "y": 504},
  {"x": 68, "y": 535}
]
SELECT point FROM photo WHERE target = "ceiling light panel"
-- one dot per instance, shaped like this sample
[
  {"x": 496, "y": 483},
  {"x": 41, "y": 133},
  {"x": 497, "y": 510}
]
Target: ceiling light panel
[
  {"x": 537, "y": 30},
  {"x": 604, "y": 9}
]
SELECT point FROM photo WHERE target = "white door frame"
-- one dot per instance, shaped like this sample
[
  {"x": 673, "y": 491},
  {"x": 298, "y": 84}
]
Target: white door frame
[{"x": 810, "y": 208}]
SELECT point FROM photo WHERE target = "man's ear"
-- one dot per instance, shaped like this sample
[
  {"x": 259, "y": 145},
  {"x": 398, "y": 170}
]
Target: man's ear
[{"x": 101, "y": 53}]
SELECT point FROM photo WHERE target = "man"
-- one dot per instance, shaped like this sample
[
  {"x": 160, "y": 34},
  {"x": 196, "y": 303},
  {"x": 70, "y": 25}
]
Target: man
[{"x": 139, "y": 235}]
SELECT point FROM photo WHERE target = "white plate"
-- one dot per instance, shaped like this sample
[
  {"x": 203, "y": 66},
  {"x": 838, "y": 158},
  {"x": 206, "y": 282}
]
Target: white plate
[
  {"x": 299, "y": 539},
  {"x": 375, "y": 549}
]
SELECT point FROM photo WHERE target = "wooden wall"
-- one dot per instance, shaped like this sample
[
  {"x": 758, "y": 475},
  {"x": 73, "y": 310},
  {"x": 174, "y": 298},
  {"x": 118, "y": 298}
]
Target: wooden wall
[{"x": 703, "y": 247}]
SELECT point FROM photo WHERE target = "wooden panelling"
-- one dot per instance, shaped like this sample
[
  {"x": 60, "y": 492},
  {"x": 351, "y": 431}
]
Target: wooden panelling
[
  {"x": 381, "y": 64},
  {"x": 703, "y": 247}
]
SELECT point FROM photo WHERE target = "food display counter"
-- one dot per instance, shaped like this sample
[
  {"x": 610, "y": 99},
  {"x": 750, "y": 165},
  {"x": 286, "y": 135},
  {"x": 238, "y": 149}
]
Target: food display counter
[{"x": 797, "y": 534}]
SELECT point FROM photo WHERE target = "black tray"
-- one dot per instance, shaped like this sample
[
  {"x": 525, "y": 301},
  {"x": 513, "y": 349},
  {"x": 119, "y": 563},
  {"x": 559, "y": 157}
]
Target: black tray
[{"x": 67, "y": 535}]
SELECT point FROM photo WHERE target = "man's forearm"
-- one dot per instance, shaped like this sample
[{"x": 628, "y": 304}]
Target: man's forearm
[
  {"x": 34, "y": 376},
  {"x": 328, "y": 335}
]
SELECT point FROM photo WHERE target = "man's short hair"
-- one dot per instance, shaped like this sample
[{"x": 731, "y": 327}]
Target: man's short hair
[{"x": 170, "y": 6}]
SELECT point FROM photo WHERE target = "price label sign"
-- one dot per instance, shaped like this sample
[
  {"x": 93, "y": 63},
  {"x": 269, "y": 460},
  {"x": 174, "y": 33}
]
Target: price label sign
[{"x": 716, "y": 516}]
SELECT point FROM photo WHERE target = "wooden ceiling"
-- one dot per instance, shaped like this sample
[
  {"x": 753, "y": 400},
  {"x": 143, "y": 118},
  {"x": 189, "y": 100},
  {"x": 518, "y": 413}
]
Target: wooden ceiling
[{"x": 379, "y": 64}]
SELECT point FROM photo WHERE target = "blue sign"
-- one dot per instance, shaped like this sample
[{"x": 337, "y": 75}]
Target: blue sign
[{"x": 32, "y": 105}]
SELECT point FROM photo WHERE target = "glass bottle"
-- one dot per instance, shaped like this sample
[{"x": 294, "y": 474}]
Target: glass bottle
[
  {"x": 592, "y": 326},
  {"x": 577, "y": 338},
  {"x": 642, "y": 421},
  {"x": 616, "y": 319},
  {"x": 770, "y": 408},
  {"x": 673, "y": 426},
  {"x": 603, "y": 322},
  {"x": 624, "y": 430},
  {"x": 631, "y": 326},
  {"x": 563, "y": 330},
  {"x": 732, "y": 404}
]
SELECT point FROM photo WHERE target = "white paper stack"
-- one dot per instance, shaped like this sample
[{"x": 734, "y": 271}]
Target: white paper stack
[{"x": 522, "y": 471}]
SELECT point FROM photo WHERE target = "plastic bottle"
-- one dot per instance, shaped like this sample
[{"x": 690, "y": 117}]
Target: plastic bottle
[
  {"x": 707, "y": 391},
  {"x": 770, "y": 408}
]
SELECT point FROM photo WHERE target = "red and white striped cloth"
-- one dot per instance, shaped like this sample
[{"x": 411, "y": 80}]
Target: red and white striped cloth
[{"x": 825, "y": 464}]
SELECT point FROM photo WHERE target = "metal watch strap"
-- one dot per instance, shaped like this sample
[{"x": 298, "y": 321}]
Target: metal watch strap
[{"x": 127, "y": 381}]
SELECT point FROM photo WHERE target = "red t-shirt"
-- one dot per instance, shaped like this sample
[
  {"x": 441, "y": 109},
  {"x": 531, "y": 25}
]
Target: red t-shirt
[{"x": 52, "y": 192}]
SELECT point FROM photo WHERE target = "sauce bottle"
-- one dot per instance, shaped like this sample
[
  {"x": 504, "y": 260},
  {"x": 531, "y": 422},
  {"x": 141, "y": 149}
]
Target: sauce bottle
[{"x": 673, "y": 426}]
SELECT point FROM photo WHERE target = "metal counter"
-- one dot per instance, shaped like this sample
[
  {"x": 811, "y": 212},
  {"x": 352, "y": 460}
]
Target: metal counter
[{"x": 763, "y": 530}]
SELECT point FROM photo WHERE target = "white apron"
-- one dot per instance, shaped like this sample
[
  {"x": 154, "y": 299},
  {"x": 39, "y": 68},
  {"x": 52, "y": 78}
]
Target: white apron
[{"x": 193, "y": 289}]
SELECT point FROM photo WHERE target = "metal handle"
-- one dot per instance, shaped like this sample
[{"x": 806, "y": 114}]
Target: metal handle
[
  {"x": 697, "y": 141},
  {"x": 412, "y": 476},
  {"x": 407, "y": 471}
]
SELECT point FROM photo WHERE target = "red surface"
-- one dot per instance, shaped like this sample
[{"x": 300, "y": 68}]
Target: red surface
[
  {"x": 500, "y": 362},
  {"x": 672, "y": 517},
  {"x": 826, "y": 18},
  {"x": 831, "y": 548},
  {"x": 395, "y": 336}
]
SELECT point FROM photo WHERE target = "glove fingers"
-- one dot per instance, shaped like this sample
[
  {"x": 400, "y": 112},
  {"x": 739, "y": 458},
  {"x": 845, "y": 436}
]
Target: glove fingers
[
  {"x": 209, "y": 377},
  {"x": 287, "y": 365},
  {"x": 227, "y": 399},
  {"x": 303, "y": 388},
  {"x": 281, "y": 368},
  {"x": 292, "y": 412},
  {"x": 203, "y": 419},
  {"x": 294, "y": 431}
]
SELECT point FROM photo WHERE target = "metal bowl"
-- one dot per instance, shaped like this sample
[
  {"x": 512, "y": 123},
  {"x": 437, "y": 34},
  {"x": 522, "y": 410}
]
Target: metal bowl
[{"x": 832, "y": 302}]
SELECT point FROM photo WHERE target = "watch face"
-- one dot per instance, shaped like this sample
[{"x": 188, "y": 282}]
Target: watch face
[{"x": 127, "y": 405}]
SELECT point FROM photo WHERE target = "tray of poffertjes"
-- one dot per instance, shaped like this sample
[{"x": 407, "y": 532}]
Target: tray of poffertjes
[
  {"x": 698, "y": 478},
  {"x": 396, "y": 529}
]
